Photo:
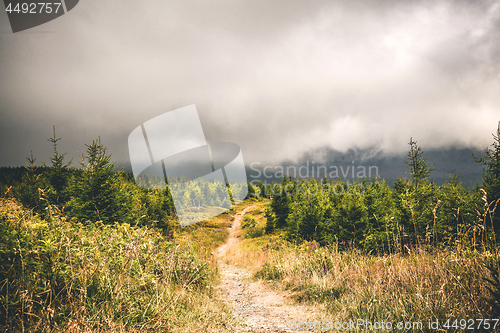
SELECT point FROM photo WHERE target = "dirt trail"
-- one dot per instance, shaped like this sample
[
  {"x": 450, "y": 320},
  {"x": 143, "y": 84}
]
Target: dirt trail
[{"x": 255, "y": 304}]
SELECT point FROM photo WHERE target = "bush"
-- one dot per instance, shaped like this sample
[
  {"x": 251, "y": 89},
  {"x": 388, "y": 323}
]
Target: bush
[
  {"x": 248, "y": 222},
  {"x": 492, "y": 264},
  {"x": 254, "y": 232},
  {"x": 53, "y": 272},
  {"x": 270, "y": 272}
]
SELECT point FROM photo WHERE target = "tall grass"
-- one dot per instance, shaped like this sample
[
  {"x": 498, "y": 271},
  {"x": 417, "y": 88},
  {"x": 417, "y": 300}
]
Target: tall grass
[
  {"x": 417, "y": 283},
  {"x": 57, "y": 276},
  {"x": 398, "y": 287}
]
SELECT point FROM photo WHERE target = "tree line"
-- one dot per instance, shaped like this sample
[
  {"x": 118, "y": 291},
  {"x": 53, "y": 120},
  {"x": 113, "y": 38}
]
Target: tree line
[
  {"x": 411, "y": 215},
  {"x": 367, "y": 214},
  {"x": 89, "y": 192}
]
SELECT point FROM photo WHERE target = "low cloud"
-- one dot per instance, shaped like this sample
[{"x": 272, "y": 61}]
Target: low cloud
[{"x": 278, "y": 78}]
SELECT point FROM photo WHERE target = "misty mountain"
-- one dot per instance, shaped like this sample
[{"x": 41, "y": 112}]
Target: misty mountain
[{"x": 370, "y": 163}]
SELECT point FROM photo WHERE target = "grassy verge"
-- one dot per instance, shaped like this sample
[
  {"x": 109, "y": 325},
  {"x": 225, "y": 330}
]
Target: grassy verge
[
  {"x": 57, "y": 276},
  {"x": 418, "y": 286},
  {"x": 414, "y": 287}
]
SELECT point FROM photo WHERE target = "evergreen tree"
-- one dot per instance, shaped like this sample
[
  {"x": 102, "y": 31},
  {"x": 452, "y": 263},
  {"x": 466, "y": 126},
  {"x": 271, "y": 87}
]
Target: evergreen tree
[
  {"x": 263, "y": 191},
  {"x": 32, "y": 185},
  {"x": 491, "y": 174},
  {"x": 280, "y": 204},
  {"x": 97, "y": 193},
  {"x": 59, "y": 173},
  {"x": 270, "y": 221},
  {"x": 251, "y": 191},
  {"x": 419, "y": 168},
  {"x": 456, "y": 211}
]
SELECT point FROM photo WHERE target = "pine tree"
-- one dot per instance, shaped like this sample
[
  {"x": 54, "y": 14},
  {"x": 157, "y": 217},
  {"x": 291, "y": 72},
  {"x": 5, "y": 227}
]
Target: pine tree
[
  {"x": 270, "y": 221},
  {"x": 97, "y": 193},
  {"x": 491, "y": 174},
  {"x": 419, "y": 168},
  {"x": 59, "y": 173},
  {"x": 32, "y": 182},
  {"x": 280, "y": 204}
]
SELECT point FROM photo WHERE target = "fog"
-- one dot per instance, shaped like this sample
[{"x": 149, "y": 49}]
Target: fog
[{"x": 278, "y": 78}]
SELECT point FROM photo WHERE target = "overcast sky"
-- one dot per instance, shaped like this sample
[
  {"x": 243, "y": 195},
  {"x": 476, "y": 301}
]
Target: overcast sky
[{"x": 276, "y": 77}]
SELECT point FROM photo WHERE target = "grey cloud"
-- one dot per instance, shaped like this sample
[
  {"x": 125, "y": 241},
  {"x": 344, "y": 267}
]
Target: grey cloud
[{"x": 276, "y": 77}]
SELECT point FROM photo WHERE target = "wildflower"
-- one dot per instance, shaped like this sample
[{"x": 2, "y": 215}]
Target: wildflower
[{"x": 325, "y": 270}]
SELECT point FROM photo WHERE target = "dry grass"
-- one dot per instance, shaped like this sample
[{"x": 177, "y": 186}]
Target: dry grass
[
  {"x": 64, "y": 277},
  {"x": 418, "y": 286},
  {"x": 414, "y": 287},
  {"x": 56, "y": 276}
]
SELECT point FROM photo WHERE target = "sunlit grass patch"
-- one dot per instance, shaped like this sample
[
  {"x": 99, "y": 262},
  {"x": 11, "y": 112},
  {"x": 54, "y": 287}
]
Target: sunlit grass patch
[
  {"x": 55, "y": 276},
  {"x": 418, "y": 286}
]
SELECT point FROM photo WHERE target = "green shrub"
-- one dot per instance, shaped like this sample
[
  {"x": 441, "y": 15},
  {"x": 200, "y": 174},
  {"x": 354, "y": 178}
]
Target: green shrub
[
  {"x": 53, "y": 272},
  {"x": 270, "y": 272},
  {"x": 493, "y": 265},
  {"x": 248, "y": 222},
  {"x": 254, "y": 232}
]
